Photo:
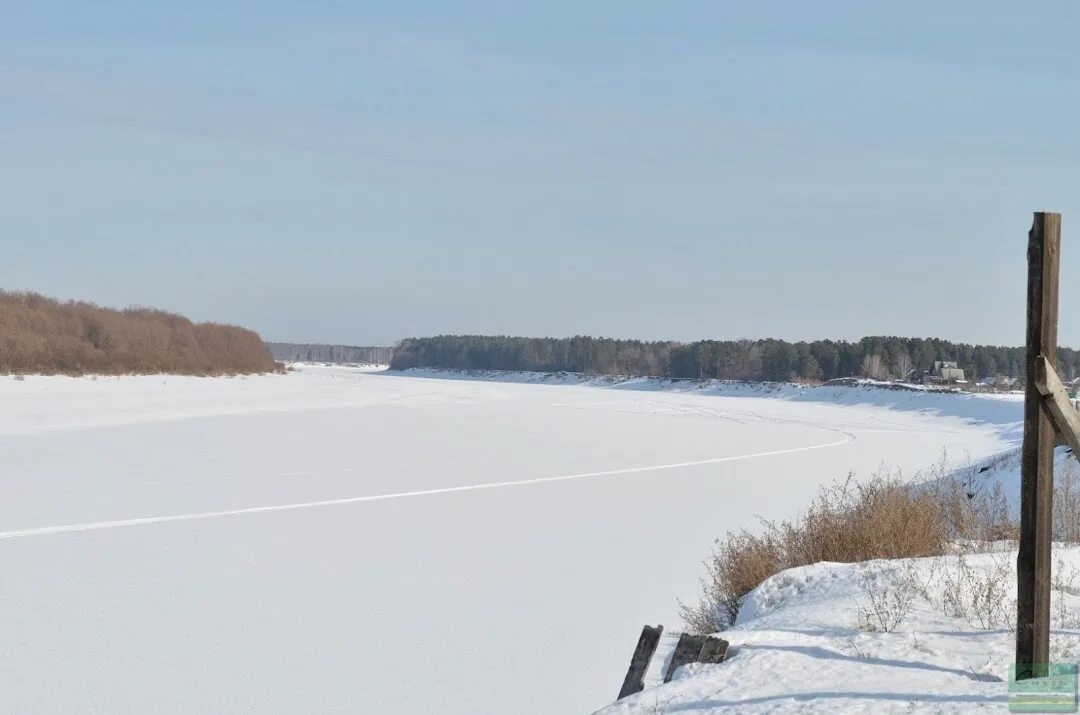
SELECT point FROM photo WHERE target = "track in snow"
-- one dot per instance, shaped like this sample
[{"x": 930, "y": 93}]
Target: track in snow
[{"x": 147, "y": 520}]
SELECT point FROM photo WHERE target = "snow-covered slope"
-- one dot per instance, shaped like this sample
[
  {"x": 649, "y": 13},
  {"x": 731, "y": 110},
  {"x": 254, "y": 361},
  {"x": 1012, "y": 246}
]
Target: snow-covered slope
[
  {"x": 803, "y": 644},
  {"x": 1003, "y": 469}
]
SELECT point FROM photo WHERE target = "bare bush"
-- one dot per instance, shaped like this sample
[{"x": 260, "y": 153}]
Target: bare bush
[
  {"x": 945, "y": 511},
  {"x": 737, "y": 566},
  {"x": 980, "y": 596},
  {"x": 882, "y": 518},
  {"x": 1066, "y": 503},
  {"x": 974, "y": 517},
  {"x": 44, "y": 336},
  {"x": 887, "y": 603},
  {"x": 1064, "y": 581}
]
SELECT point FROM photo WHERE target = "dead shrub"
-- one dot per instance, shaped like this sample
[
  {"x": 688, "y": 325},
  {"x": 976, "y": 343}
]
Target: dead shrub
[
  {"x": 881, "y": 518},
  {"x": 981, "y": 596},
  {"x": 888, "y": 598},
  {"x": 974, "y": 517},
  {"x": 944, "y": 511},
  {"x": 1066, "y": 503}
]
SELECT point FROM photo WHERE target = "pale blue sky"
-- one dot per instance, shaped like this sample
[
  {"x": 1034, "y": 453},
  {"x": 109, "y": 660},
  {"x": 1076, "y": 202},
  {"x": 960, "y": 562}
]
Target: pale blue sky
[{"x": 357, "y": 173}]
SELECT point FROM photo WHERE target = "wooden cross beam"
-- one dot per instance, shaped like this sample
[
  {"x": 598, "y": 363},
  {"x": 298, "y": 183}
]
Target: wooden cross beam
[{"x": 1057, "y": 401}]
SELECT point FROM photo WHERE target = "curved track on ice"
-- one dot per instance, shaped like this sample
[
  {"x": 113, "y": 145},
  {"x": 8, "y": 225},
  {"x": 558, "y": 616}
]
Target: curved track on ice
[{"x": 147, "y": 520}]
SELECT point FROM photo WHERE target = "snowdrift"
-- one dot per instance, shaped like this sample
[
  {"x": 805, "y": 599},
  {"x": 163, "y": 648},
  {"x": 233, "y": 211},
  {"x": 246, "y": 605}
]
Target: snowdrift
[{"x": 813, "y": 640}]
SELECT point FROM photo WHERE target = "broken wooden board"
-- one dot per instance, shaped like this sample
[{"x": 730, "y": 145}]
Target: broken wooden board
[
  {"x": 653, "y": 666},
  {"x": 714, "y": 651},
  {"x": 639, "y": 662},
  {"x": 686, "y": 651},
  {"x": 696, "y": 649}
]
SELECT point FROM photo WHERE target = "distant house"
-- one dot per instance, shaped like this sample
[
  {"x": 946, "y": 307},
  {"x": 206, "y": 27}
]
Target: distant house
[
  {"x": 999, "y": 382},
  {"x": 945, "y": 371}
]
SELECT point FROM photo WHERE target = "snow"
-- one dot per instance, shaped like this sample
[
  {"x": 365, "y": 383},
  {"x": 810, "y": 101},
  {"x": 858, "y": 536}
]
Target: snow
[
  {"x": 1004, "y": 469},
  {"x": 343, "y": 540},
  {"x": 798, "y": 646},
  {"x": 1002, "y": 409}
]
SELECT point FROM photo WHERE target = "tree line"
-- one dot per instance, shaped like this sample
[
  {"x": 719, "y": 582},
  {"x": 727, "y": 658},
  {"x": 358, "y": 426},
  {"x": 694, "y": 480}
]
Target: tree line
[
  {"x": 39, "y": 335},
  {"x": 879, "y": 357},
  {"x": 305, "y": 352}
]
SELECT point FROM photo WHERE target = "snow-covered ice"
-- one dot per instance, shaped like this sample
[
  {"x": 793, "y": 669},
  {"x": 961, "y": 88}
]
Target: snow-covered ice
[{"x": 336, "y": 540}]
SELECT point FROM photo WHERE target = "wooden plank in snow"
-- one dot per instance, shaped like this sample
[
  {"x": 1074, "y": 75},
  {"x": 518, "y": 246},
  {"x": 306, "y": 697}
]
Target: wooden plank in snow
[{"x": 639, "y": 662}]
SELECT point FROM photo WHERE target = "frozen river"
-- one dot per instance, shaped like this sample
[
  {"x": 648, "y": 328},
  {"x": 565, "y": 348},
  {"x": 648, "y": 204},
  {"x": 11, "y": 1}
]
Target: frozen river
[{"x": 342, "y": 541}]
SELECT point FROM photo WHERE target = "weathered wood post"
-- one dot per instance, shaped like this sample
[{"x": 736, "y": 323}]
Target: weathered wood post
[
  {"x": 695, "y": 649},
  {"x": 686, "y": 651},
  {"x": 639, "y": 662},
  {"x": 1037, "y": 454}
]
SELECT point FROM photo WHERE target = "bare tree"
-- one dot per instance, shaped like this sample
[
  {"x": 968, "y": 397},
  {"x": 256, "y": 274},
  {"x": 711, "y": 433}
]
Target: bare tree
[
  {"x": 873, "y": 367},
  {"x": 903, "y": 365}
]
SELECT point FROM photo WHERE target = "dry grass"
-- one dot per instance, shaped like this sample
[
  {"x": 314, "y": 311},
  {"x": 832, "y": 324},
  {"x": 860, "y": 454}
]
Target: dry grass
[
  {"x": 884, "y": 517},
  {"x": 1066, "y": 503},
  {"x": 39, "y": 335}
]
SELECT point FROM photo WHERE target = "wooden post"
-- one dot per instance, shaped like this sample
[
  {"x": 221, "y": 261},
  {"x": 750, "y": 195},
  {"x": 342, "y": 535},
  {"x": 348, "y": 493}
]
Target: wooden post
[
  {"x": 695, "y": 649},
  {"x": 686, "y": 651},
  {"x": 714, "y": 651},
  {"x": 1037, "y": 454},
  {"x": 639, "y": 662}
]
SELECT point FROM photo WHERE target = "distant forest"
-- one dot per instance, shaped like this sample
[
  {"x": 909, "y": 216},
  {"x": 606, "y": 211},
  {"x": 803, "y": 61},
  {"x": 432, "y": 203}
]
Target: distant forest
[
  {"x": 305, "y": 352},
  {"x": 39, "y": 335},
  {"x": 773, "y": 360}
]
